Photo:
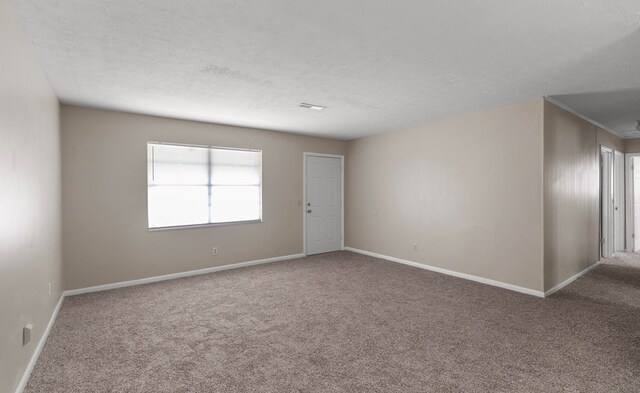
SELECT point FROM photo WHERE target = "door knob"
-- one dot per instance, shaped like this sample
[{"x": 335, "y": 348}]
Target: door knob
[{"x": 309, "y": 211}]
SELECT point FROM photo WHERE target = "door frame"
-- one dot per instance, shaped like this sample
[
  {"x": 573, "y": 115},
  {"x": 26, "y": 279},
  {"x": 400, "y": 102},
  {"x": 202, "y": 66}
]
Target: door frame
[
  {"x": 304, "y": 196},
  {"x": 619, "y": 209},
  {"x": 629, "y": 201},
  {"x": 607, "y": 227}
]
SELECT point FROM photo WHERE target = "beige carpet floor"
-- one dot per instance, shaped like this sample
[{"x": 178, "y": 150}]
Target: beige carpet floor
[{"x": 343, "y": 322}]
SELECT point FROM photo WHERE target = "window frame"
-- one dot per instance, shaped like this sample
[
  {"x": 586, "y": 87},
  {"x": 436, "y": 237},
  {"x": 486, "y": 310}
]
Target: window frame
[{"x": 150, "y": 160}]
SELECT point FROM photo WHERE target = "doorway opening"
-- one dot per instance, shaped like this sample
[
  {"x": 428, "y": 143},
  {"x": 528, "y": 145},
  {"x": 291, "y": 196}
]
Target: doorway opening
[
  {"x": 632, "y": 202},
  {"x": 612, "y": 202}
]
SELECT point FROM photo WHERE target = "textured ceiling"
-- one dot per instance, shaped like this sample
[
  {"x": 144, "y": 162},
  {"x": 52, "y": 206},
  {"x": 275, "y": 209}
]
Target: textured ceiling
[{"x": 376, "y": 65}]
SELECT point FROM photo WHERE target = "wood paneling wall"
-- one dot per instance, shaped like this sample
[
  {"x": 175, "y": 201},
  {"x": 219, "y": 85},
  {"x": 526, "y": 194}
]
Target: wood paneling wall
[
  {"x": 632, "y": 145},
  {"x": 571, "y": 194}
]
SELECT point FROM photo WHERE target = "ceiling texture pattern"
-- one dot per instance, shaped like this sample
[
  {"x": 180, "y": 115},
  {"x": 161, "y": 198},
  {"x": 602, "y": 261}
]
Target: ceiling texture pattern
[{"x": 376, "y": 65}]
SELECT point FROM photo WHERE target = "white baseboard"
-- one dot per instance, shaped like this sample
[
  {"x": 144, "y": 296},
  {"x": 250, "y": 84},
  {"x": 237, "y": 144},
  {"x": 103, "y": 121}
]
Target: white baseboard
[
  {"x": 36, "y": 354},
  {"x": 172, "y": 276},
  {"x": 471, "y": 277},
  {"x": 571, "y": 279}
]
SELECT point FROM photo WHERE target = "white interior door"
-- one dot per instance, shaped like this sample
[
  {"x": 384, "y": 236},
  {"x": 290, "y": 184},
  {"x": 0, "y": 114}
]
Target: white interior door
[
  {"x": 618, "y": 201},
  {"x": 635, "y": 173},
  {"x": 606, "y": 202},
  {"x": 323, "y": 205},
  {"x": 632, "y": 200}
]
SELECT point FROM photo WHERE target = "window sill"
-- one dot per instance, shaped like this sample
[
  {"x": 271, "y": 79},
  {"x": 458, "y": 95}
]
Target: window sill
[{"x": 220, "y": 224}]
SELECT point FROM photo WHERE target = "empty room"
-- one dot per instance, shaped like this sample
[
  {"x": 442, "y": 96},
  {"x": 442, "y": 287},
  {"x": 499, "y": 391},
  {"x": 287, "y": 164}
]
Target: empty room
[{"x": 339, "y": 196}]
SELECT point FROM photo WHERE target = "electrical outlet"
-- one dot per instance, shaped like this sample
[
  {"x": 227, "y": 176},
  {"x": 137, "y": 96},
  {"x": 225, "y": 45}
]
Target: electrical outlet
[
  {"x": 415, "y": 247},
  {"x": 49, "y": 289},
  {"x": 215, "y": 250}
]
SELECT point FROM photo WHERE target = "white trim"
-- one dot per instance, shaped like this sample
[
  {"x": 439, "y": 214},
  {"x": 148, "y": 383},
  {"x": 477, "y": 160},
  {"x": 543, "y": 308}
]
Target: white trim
[
  {"x": 571, "y": 279},
  {"x": 606, "y": 148},
  {"x": 607, "y": 242},
  {"x": 172, "y": 276},
  {"x": 619, "y": 206},
  {"x": 629, "y": 209},
  {"x": 195, "y": 226},
  {"x": 584, "y": 117},
  {"x": 466, "y": 276},
  {"x": 304, "y": 196},
  {"x": 36, "y": 353},
  {"x": 323, "y": 155},
  {"x": 202, "y": 146}
]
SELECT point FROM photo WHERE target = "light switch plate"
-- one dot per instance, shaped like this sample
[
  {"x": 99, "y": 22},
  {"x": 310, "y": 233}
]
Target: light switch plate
[{"x": 26, "y": 333}]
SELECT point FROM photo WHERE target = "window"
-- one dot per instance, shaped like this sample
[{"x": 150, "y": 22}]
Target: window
[{"x": 198, "y": 185}]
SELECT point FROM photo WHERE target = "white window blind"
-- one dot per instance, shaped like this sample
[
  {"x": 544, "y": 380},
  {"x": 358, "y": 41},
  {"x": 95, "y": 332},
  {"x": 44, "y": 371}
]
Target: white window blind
[{"x": 194, "y": 185}]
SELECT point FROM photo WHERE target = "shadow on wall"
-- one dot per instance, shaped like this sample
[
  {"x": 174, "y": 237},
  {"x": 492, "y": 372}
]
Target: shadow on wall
[
  {"x": 617, "y": 109},
  {"x": 610, "y": 68},
  {"x": 614, "y": 96}
]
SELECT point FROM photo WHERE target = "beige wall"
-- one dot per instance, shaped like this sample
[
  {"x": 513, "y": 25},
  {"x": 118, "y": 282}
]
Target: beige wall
[
  {"x": 104, "y": 166},
  {"x": 467, "y": 191},
  {"x": 29, "y": 199},
  {"x": 571, "y": 193}
]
